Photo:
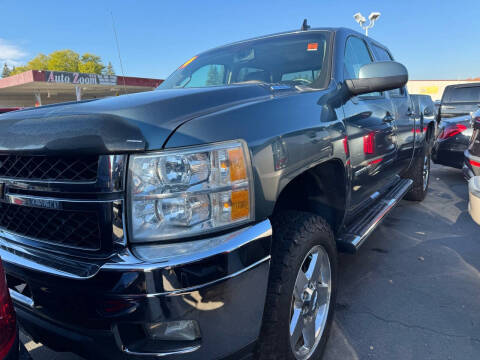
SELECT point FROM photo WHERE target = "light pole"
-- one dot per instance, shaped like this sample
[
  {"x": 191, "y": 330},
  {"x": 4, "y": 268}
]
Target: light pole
[{"x": 360, "y": 19}]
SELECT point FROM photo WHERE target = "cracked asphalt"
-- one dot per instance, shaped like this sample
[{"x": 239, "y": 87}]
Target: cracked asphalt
[{"x": 412, "y": 291}]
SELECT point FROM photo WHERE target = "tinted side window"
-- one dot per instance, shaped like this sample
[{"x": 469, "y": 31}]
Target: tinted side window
[
  {"x": 208, "y": 75},
  {"x": 381, "y": 54},
  {"x": 356, "y": 55},
  {"x": 468, "y": 94}
]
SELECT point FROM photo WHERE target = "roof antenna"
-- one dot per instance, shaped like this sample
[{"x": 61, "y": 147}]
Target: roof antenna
[
  {"x": 118, "y": 50},
  {"x": 305, "y": 26}
]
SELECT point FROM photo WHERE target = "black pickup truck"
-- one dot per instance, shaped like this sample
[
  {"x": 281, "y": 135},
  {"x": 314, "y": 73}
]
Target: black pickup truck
[{"x": 202, "y": 220}]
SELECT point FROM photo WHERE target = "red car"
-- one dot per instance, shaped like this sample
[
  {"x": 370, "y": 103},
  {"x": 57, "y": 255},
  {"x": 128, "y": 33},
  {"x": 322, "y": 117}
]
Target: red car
[
  {"x": 9, "y": 343},
  {"x": 5, "y": 110}
]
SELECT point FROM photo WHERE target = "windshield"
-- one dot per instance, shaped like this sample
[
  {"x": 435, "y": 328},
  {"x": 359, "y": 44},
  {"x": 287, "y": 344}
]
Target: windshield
[
  {"x": 297, "y": 59},
  {"x": 462, "y": 94}
]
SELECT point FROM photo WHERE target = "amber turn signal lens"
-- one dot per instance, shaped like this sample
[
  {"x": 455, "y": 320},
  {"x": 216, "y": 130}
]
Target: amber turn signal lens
[
  {"x": 240, "y": 204},
  {"x": 238, "y": 171}
]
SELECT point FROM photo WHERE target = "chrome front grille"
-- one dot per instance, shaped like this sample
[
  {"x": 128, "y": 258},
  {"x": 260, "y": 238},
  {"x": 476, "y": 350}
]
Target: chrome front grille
[{"x": 49, "y": 168}]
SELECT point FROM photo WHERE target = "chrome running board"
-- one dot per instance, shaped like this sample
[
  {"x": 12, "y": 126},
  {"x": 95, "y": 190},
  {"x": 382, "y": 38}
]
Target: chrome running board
[{"x": 355, "y": 235}]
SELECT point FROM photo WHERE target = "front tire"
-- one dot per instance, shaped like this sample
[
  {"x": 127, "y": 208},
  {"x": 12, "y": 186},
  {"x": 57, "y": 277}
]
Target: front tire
[{"x": 302, "y": 288}]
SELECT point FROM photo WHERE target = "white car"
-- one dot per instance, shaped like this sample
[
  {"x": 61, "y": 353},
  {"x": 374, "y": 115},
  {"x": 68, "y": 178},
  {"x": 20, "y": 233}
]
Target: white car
[{"x": 474, "y": 195}]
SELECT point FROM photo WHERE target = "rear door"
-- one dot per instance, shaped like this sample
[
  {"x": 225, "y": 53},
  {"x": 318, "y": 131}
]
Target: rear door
[
  {"x": 371, "y": 132},
  {"x": 404, "y": 116},
  {"x": 459, "y": 100}
]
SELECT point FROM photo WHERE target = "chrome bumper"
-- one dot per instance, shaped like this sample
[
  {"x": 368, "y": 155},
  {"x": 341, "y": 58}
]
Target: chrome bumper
[{"x": 222, "y": 285}]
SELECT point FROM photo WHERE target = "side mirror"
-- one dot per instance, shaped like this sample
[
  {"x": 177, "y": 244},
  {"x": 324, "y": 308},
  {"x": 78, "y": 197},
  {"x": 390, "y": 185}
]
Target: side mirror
[
  {"x": 379, "y": 76},
  {"x": 427, "y": 111}
]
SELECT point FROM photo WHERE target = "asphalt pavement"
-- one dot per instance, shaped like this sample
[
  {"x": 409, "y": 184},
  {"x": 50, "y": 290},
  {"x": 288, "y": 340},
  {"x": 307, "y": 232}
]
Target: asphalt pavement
[{"x": 412, "y": 291}]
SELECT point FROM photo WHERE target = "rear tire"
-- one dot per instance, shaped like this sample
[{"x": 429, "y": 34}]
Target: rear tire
[
  {"x": 420, "y": 174},
  {"x": 302, "y": 288}
]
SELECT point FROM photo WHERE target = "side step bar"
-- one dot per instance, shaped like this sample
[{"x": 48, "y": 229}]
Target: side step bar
[{"x": 355, "y": 235}]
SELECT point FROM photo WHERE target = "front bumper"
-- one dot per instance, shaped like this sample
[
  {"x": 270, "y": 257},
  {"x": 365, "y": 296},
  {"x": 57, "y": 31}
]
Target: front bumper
[
  {"x": 450, "y": 152},
  {"x": 468, "y": 169},
  {"x": 101, "y": 312},
  {"x": 474, "y": 198}
]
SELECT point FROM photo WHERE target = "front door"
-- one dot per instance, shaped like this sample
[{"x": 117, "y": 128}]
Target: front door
[{"x": 371, "y": 131}]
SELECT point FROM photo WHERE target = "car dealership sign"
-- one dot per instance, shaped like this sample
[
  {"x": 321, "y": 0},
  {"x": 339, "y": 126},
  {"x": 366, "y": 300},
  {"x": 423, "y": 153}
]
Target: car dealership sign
[{"x": 79, "y": 78}]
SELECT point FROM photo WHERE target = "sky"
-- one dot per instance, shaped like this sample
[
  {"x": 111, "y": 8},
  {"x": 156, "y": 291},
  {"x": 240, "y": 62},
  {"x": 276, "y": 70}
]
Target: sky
[{"x": 435, "y": 39}]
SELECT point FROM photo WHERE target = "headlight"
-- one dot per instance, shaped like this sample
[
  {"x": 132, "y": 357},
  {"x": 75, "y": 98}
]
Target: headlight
[{"x": 186, "y": 192}]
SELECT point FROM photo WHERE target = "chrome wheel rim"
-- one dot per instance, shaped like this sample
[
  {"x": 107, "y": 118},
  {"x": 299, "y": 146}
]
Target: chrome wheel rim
[
  {"x": 310, "y": 303},
  {"x": 426, "y": 171}
]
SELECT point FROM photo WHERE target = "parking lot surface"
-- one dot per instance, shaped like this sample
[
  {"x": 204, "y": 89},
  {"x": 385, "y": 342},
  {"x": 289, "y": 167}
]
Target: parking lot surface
[{"x": 413, "y": 290}]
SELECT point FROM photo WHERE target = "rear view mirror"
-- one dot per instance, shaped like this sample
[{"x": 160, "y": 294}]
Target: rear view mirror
[{"x": 379, "y": 76}]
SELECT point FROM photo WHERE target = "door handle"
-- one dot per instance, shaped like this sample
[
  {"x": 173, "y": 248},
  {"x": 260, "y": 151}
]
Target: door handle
[{"x": 388, "y": 118}]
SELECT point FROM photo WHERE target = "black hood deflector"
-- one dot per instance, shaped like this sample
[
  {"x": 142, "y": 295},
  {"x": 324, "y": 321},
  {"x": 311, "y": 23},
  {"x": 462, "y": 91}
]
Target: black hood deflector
[{"x": 81, "y": 133}]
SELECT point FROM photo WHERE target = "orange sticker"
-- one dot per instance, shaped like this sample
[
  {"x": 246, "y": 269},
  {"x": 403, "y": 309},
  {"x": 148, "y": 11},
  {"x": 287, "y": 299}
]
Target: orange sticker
[
  {"x": 312, "y": 47},
  {"x": 188, "y": 62}
]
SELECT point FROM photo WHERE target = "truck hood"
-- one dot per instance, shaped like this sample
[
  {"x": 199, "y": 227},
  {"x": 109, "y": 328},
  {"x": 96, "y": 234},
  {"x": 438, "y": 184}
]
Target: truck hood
[{"x": 123, "y": 124}]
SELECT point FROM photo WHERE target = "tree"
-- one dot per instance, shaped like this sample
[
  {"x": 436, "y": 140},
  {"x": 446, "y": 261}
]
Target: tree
[
  {"x": 6, "y": 71},
  {"x": 39, "y": 62},
  {"x": 63, "y": 60},
  {"x": 18, "y": 69},
  {"x": 109, "y": 70},
  {"x": 91, "y": 64}
]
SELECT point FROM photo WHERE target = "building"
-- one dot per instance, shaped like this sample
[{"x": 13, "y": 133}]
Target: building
[
  {"x": 434, "y": 88},
  {"x": 34, "y": 88}
]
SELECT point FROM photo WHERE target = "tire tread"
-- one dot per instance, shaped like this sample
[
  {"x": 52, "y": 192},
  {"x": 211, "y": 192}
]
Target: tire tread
[{"x": 292, "y": 229}]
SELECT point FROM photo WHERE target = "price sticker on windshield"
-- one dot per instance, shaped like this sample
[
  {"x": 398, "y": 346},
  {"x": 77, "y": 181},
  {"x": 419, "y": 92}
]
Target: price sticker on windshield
[{"x": 312, "y": 47}]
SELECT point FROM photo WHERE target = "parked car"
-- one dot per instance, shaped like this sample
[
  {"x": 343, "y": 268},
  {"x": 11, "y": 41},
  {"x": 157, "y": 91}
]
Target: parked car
[
  {"x": 5, "y": 110},
  {"x": 460, "y": 100},
  {"x": 9, "y": 343},
  {"x": 202, "y": 220},
  {"x": 453, "y": 138},
  {"x": 471, "y": 165},
  {"x": 474, "y": 198},
  {"x": 455, "y": 128},
  {"x": 426, "y": 112}
]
